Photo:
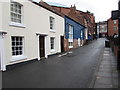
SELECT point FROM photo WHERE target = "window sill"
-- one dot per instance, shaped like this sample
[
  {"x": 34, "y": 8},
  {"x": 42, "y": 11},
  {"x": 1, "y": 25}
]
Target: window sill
[
  {"x": 53, "y": 31},
  {"x": 17, "y": 25},
  {"x": 70, "y": 46},
  {"x": 20, "y": 57},
  {"x": 52, "y": 50}
]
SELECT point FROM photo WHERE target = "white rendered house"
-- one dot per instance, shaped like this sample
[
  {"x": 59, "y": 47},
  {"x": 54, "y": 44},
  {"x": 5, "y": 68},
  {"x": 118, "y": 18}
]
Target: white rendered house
[{"x": 28, "y": 31}]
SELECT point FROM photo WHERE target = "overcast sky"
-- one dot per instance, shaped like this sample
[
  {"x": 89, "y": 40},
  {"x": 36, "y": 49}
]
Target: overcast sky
[{"x": 101, "y": 8}]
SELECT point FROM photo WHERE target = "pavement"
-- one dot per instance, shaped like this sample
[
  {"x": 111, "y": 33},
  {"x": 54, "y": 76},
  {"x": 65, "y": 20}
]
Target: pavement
[{"x": 106, "y": 73}]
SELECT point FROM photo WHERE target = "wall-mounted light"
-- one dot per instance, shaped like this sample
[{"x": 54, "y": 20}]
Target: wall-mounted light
[{"x": 3, "y": 34}]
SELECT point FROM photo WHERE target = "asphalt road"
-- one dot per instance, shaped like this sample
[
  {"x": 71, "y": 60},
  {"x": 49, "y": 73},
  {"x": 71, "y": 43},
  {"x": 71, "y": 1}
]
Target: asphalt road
[{"x": 74, "y": 70}]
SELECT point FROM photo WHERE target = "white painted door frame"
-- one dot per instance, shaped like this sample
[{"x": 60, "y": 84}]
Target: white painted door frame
[
  {"x": 45, "y": 36},
  {"x": 2, "y": 53},
  {"x": 79, "y": 42}
]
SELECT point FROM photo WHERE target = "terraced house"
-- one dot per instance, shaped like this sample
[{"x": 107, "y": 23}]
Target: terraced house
[
  {"x": 86, "y": 19},
  {"x": 28, "y": 30}
]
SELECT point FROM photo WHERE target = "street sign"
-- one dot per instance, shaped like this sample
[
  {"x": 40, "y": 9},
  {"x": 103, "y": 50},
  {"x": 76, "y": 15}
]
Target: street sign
[{"x": 115, "y": 14}]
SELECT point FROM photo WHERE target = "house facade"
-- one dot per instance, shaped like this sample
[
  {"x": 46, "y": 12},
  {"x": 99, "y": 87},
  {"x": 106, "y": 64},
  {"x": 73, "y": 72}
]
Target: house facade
[
  {"x": 102, "y": 29},
  {"x": 74, "y": 33},
  {"x": 87, "y": 19},
  {"x": 112, "y": 27},
  {"x": 28, "y": 31},
  {"x": 74, "y": 15}
]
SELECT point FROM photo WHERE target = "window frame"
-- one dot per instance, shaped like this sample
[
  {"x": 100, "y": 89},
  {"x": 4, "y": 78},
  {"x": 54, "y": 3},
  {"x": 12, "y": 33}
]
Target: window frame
[
  {"x": 21, "y": 45},
  {"x": 115, "y": 28},
  {"x": 52, "y": 23},
  {"x": 71, "y": 34},
  {"x": 52, "y": 43},
  {"x": 17, "y": 56},
  {"x": 115, "y": 21},
  {"x": 16, "y": 12}
]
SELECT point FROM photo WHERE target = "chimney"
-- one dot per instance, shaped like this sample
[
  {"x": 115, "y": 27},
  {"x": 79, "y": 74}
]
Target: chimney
[
  {"x": 41, "y": 1},
  {"x": 73, "y": 8}
]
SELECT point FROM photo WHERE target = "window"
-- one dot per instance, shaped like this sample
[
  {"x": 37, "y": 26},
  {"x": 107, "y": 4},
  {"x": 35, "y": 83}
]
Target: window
[
  {"x": 52, "y": 20},
  {"x": 52, "y": 41},
  {"x": 17, "y": 46},
  {"x": 115, "y": 28},
  {"x": 70, "y": 44},
  {"x": 70, "y": 36},
  {"x": 70, "y": 32},
  {"x": 115, "y": 21},
  {"x": 102, "y": 28},
  {"x": 16, "y": 12}
]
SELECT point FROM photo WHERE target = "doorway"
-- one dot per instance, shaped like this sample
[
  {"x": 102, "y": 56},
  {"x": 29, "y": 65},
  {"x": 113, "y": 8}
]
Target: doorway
[
  {"x": 42, "y": 46},
  {"x": 62, "y": 43}
]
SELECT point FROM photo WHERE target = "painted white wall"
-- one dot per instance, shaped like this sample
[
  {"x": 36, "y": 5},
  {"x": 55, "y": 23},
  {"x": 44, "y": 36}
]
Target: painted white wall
[
  {"x": 0, "y": 16},
  {"x": 2, "y": 53},
  {"x": 36, "y": 20}
]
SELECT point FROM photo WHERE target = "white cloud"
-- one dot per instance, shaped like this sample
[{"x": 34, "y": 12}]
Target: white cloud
[{"x": 101, "y": 8}]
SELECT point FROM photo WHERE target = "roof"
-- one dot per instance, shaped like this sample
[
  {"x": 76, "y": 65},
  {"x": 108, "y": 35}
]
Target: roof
[
  {"x": 52, "y": 9},
  {"x": 57, "y": 4},
  {"x": 48, "y": 7},
  {"x": 75, "y": 21}
]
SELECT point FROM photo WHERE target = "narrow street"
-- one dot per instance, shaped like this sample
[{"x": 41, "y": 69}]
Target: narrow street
[{"x": 74, "y": 70}]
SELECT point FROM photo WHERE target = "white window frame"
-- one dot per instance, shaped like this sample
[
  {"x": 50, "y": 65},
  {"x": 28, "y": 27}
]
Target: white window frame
[
  {"x": 15, "y": 13},
  {"x": 115, "y": 21},
  {"x": 20, "y": 56},
  {"x": 52, "y": 49},
  {"x": 70, "y": 42},
  {"x": 115, "y": 28},
  {"x": 52, "y": 23}
]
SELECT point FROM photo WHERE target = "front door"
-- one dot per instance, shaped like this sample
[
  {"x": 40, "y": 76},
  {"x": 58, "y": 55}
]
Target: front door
[
  {"x": 42, "y": 46},
  {"x": 62, "y": 43}
]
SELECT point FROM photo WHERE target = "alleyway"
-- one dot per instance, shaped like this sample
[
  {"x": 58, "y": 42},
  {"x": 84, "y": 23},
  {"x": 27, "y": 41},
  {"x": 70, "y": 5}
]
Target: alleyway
[{"x": 74, "y": 70}]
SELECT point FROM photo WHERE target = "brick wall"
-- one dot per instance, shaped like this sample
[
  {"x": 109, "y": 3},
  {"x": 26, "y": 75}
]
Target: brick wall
[
  {"x": 66, "y": 44},
  {"x": 111, "y": 25},
  {"x": 75, "y": 44}
]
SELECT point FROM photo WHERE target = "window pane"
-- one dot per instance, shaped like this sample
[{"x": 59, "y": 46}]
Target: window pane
[
  {"x": 13, "y": 43},
  {"x": 52, "y": 42},
  {"x": 19, "y": 11},
  {"x": 19, "y": 7},
  {"x": 20, "y": 52},
  {"x": 16, "y": 12},
  {"x": 17, "y": 45},
  {"x": 13, "y": 38},
  {"x": 51, "y": 23},
  {"x": 13, "y": 53}
]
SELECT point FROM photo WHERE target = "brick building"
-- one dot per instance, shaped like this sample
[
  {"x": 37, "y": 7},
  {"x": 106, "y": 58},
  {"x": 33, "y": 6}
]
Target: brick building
[
  {"x": 102, "y": 29},
  {"x": 85, "y": 18},
  {"x": 112, "y": 27},
  {"x": 113, "y": 34}
]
